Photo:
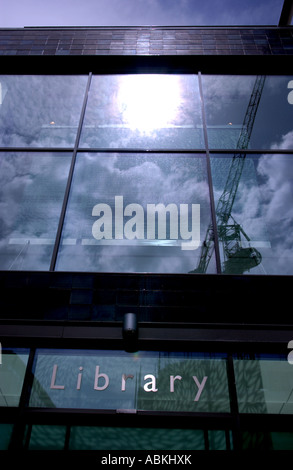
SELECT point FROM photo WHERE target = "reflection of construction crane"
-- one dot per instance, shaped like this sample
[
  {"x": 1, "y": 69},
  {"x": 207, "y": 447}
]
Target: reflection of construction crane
[{"x": 236, "y": 258}]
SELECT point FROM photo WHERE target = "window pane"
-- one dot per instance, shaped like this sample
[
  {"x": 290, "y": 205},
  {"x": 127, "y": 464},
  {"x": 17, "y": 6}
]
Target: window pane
[
  {"x": 135, "y": 213},
  {"x": 143, "y": 111},
  {"x": 282, "y": 440},
  {"x": 47, "y": 437},
  {"x": 266, "y": 440},
  {"x": 100, "y": 438},
  {"x": 40, "y": 110},
  {"x": 31, "y": 194},
  {"x": 12, "y": 371},
  {"x": 5, "y": 435},
  {"x": 116, "y": 380},
  {"x": 249, "y": 111},
  {"x": 264, "y": 385},
  {"x": 254, "y": 200}
]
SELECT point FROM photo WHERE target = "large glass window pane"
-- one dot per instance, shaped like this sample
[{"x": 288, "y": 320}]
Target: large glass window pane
[
  {"x": 135, "y": 213},
  {"x": 143, "y": 111},
  {"x": 5, "y": 435},
  {"x": 47, "y": 437},
  {"x": 40, "y": 111},
  {"x": 249, "y": 111},
  {"x": 254, "y": 200},
  {"x": 267, "y": 440},
  {"x": 100, "y": 438},
  {"x": 157, "y": 381},
  {"x": 264, "y": 385},
  {"x": 12, "y": 371},
  {"x": 31, "y": 195}
]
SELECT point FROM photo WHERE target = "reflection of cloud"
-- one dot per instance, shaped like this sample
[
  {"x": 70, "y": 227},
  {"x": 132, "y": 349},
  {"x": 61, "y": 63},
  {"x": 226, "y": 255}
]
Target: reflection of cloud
[
  {"x": 228, "y": 106},
  {"x": 277, "y": 189},
  {"x": 31, "y": 193},
  {"x": 268, "y": 205},
  {"x": 286, "y": 142},
  {"x": 263, "y": 205},
  {"x": 140, "y": 179},
  {"x": 33, "y": 103},
  {"x": 221, "y": 91}
]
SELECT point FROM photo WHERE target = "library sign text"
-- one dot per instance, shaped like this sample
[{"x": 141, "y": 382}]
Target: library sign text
[
  {"x": 150, "y": 384},
  {"x": 130, "y": 381}
]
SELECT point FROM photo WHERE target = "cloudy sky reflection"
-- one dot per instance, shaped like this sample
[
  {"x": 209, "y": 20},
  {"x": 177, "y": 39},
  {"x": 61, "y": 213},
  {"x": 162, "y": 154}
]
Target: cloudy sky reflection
[
  {"x": 263, "y": 207},
  {"x": 40, "y": 111},
  {"x": 31, "y": 193},
  {"x": 33, "y": 183},
  {"x": 226, "y": 103},
  {"x": 141, "y": 179}
]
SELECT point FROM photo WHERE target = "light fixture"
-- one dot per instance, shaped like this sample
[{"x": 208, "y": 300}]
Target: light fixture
[{"x": 130, "y": 332}]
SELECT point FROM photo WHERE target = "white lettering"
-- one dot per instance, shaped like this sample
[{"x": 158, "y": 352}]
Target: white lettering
[
  {"x": 290, "y": 355},
  {"x": 172, "y": 380},
  {"x": 161, "y": 210},
  {"x": 123, "y": 383},
  {"x": 111, "y": 460},
  {"x": 118, "y": 217},
  {"x": 53, "y": 380},
  {"x": 200, "y": 386},
  {"x": 78, "y": 385},
  {"x": 168, "y": 459},
  {"x": 195, "y": 226},
  {"x": 290, "y": 96},
  {"x": 150, "y": 386},
  {"x": 137, "y": 222},
  {"x": 102, "y": 380},
  {"x": 97, "y": 377},
  {"x": 162, "y": 222},
  {"x": 102, "y": 228}
]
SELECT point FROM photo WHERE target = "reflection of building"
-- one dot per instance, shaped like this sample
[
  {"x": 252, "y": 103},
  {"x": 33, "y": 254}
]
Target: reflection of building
[{"x": 102, "y": 177}]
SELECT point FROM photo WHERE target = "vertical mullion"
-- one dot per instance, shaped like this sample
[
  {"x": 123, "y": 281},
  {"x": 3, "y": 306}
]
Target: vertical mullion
[
  {"x": 236, "y": 430},
  {"x": 210, "y": 181},
  {"x": 69, "y": 180},
  {"x": 67, "y": 437},
  {"x": 18, "y": 433}
]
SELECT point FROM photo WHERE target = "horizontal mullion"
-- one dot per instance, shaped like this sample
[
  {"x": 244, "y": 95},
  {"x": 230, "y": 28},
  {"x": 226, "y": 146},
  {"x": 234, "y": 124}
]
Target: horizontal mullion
[
  {"x": 37, "y": 149},
  {"x": 142, "y": 150},
  {"x": 137, "y": 150},
  {"x": 252, "y": 151}
]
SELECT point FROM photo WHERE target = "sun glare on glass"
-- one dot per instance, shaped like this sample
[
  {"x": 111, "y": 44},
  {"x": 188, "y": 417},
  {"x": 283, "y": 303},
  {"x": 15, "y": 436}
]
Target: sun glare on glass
[{"x": 149, "y": 102}]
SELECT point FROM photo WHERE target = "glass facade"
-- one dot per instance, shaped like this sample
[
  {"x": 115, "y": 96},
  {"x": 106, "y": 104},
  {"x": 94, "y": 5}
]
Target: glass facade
[
  {"x": 180, "y": 385},
  {"x": 162, "y": 173}
]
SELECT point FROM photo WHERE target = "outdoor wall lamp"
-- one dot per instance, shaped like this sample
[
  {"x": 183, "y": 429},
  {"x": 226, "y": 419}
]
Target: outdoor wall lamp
[{"x": 130, "y": 332}]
